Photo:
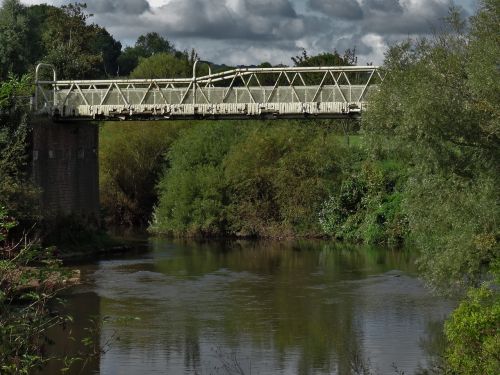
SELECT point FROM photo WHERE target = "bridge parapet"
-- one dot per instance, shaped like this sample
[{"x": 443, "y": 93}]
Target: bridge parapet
[{"x": 295, "y": 92}]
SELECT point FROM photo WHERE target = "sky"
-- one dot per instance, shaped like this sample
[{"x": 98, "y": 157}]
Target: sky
[{"x": 244, "y": 32}]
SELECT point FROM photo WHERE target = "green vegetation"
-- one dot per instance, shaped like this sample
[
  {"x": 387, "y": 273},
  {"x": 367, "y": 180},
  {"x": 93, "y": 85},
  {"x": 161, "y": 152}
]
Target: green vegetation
[
  {"x": 131, "y": 157},
  {"x": 17, "y": 194},
  {"x": 437, "y": 113},
  {"x": 248, "y": 179},
  {"x": 163, "y": 65},
  {"x": 424, "y": 170},
  {"x": 25, "y": 293},
  {"x": 430, "y": 115},
  {"x": 473, "y": 333}
]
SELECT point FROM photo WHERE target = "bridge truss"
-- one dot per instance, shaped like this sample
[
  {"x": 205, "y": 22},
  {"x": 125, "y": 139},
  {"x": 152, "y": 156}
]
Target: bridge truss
[{"x": 288, "y": 92}]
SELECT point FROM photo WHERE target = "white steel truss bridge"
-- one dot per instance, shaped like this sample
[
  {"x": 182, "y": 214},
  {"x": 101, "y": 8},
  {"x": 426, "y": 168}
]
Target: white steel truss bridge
[{"x": 243, "y": 93}]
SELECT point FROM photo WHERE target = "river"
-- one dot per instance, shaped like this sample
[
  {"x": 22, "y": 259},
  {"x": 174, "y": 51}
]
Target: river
[{"x": 305, "y": 307}]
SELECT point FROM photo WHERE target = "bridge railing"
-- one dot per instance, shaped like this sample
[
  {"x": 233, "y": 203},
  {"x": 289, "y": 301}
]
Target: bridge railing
[{"x": 237, "y": 93}]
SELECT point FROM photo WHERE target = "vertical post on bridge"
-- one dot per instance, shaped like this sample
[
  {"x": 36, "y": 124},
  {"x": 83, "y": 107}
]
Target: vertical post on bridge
[
  {"x": 54, "y": 77},
  {"x": 194, "y": 76}
]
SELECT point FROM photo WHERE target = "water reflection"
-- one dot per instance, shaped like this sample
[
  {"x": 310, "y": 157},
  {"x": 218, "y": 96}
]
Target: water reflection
[{"x": 268, "y": 308}]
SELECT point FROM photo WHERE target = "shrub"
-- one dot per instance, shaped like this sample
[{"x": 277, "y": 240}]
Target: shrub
[
  {"x": 473, "y": 334},
  {"x": 131, "y": 158}
]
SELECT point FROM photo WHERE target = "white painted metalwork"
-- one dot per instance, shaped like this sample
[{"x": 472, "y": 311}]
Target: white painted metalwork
[{"x": 288, "y": 92}]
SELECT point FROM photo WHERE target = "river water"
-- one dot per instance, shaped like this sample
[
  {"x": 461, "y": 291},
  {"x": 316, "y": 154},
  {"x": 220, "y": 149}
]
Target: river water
[{"x": 255, "y": 308}]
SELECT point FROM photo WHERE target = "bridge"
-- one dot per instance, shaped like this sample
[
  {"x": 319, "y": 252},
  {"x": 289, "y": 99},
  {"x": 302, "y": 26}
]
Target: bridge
[
  {"x": 65, "y": 152},
  {"x": 242, "y": 93}
]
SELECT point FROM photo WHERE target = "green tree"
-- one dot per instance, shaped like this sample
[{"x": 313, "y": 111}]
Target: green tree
[
  {"x": 152, "y": 43},
  {"x": 109, "y": 49},
  {"x": 17, "y": 193},
  {"x": 163, "y": 65},
  {"x": 326, "y": 59},
  {"x": 14, "y": 38},
  {"x": 131, "y": 160},
  {"x": 279, "y": 174},
  {"x": 128, "y": 61},
  {"x": 193, "y": 191},
  {"x": 427, "y": 116},
  {"x": 146, "y": 46},
  {"x": 69, "y": 42}
]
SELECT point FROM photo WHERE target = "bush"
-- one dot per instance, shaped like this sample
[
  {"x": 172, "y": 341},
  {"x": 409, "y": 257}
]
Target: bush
[
  {"x": 251, "y": 179},
  {"x": 278, "y": 176},
  {"x": 473, "y": 334},
  {"x": 163, "y": 65},
  {"x": 368, "y": 207},
  {"x": 131, "y": 158},
  {"x": 193, "y": 192},
  {"x": 29, "y": 278}
]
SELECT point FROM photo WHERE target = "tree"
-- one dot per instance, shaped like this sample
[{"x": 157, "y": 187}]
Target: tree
[
  {"x": 14, "y": 38},
  {"x": 109, "y": 49},
  {"x": 153, "y": 43},
  {"x": 326, "y": 59},
  {"x": 436, "y": 118},
  {"x": 17, "y": 194},
  {"x": 146, "y": 46},
  {"x": 69, "y": 42},
  {"x": 163, "y": 65}
]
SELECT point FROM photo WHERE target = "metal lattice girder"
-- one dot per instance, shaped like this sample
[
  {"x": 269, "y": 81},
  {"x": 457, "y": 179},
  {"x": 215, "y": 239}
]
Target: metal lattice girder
[{"x": 239, "y": 93}]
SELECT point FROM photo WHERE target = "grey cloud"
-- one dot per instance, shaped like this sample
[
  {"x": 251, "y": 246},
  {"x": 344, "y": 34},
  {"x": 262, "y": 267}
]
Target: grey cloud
[
  {"x": 409, "y": 21},
  {"x": 216, "y": 19},
  {"x": 387, "y": 6},
  {"x": 250, "y": 31},
  {"x": 281, "y": 8},
  {"x": 351, "y": 42},
  {"x": 344, "y": 9},
  {"x": 118, "y": 6}
]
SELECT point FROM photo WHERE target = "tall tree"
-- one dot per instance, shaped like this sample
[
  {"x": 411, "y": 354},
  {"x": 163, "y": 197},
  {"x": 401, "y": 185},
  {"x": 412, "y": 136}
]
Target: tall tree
[
  {"x": 146, "y": 46},
  {"x": 443, "y": 124},
  {"x": 70, "y": 42},
  {"x": 326, "y": 59},
  {"x": 109, "y": 49},
  {"x": 14, "y": 38},
  {"x": 152, "y": 43}
]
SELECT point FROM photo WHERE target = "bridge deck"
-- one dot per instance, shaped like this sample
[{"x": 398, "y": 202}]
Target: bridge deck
[{"x": 326, "y": 92}]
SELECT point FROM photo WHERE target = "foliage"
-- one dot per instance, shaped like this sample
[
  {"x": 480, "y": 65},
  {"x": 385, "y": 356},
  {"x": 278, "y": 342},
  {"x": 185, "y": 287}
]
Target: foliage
[
  {"x": 279, "y": 174},
  {"x": 145, "y": 46},
  {"x": 14, "y": 38},
  {"x": 69, "y": 42},
  {"x": 256, "y": 179},
  {"x": 193, "y": 192},
  {"x": 25, "y": 292},
  {"x": 152, "y": 43},
  {"x": 17, "y": 194},
  {"x": 163, "y": 65},
  {"x": 436, "y": 119},
  {"x": 368, "y": 206},
  {"x": 109, "y": 49},
  {"x": 131, "y": 157},
  {"x": 473, "y": 334},
  {"x": 326, "y": 59}
]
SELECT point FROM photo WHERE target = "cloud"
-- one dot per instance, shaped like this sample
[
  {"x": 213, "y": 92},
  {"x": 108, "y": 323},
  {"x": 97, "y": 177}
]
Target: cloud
[
  {"x": 251, "y": 31},
  {"x": 344, "y": 9},
  {"x": 383, "y": 6},
  {"x": 410, "y": 17},
  {"x": 281, "y": 8},
  {"x": 118, "y": 6},
  {"x": 232, "y": 19}
]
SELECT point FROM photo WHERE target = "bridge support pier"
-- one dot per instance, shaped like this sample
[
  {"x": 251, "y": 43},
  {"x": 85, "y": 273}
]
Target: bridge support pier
[{"x": 65, "y": 166}]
